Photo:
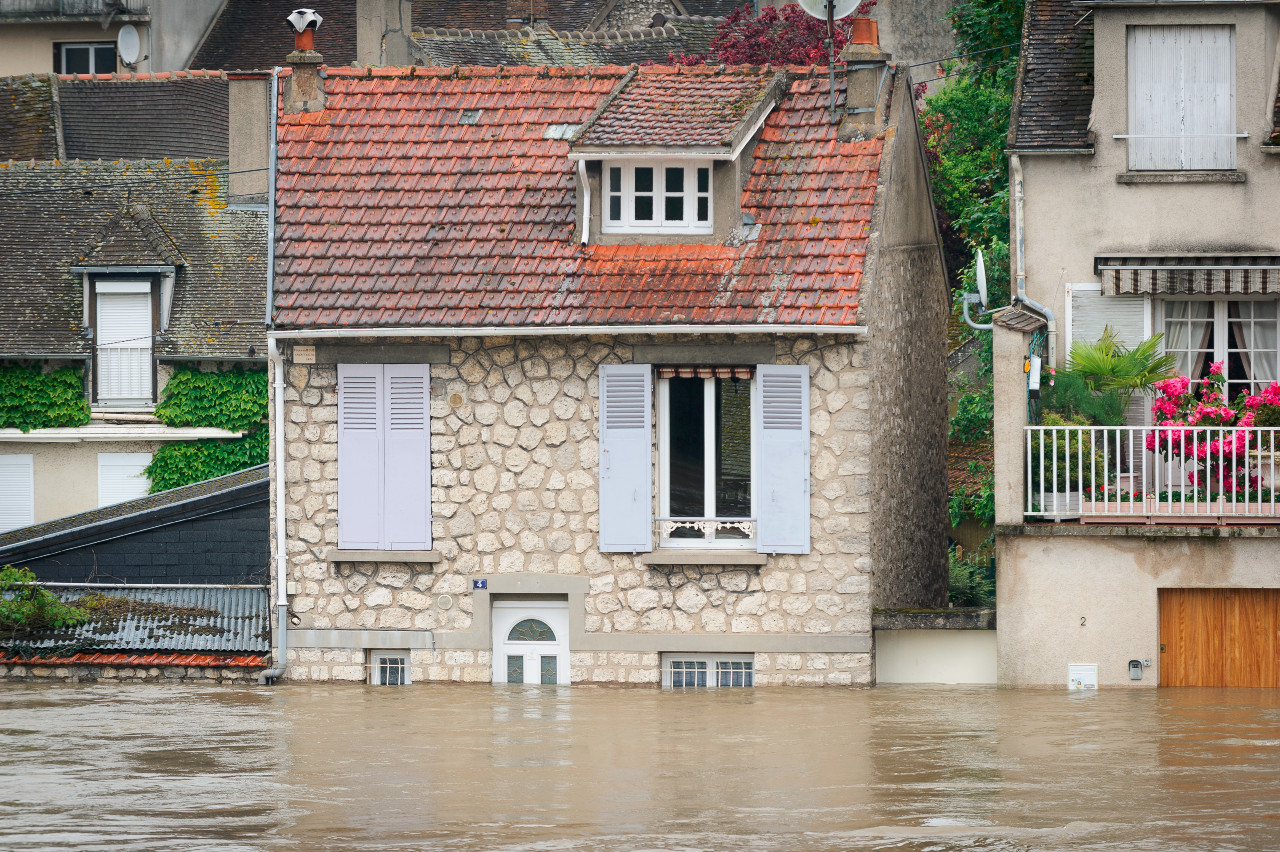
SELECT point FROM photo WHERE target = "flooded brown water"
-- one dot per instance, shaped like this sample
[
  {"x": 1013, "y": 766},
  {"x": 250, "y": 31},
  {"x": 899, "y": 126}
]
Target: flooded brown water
[{"x": 545, "y": 769}]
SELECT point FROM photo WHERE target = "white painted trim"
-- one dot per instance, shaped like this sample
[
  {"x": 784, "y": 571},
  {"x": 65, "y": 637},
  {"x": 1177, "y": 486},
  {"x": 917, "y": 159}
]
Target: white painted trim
[
  {"x": 114, "y": 432},
  {"x": 375, "y": 658},
  {"x": 550, "y": 330}
]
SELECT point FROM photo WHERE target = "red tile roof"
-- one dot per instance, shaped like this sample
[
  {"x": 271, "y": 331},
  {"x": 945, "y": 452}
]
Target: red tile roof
[
  {"x": 392, "y": 212},
  {"x": 692, "y": 107},
  {"x": 253, "y": 661}
]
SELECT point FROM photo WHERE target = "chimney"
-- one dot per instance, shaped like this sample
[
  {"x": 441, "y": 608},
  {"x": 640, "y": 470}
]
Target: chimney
[
  {"x": 869, "y": 80},
  {"x": 248, "y": 142},
  {"x": 383, "y": 30},
  {"x": 303, "y": 88}
]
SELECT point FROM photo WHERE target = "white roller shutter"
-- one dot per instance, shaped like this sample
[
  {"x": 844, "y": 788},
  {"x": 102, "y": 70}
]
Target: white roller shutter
[
  {"x": 124, "y": 342},
  {"x": 780, "y": 426},
  {"x": 1089, "y": 312},
  {"x": 121, "y": 477},
  {"x": 626, "y": 458},
  {"x": 17, "y": 491},
  {"x": 407, "y": 463}
]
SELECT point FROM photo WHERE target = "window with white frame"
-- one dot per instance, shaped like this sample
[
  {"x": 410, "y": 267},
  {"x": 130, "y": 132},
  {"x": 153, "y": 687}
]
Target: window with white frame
[
  {"x": 1182, "y": 110},
  {"x": 84, "y": 58},
  {"x": 1239, "y": 333},
  {"x": 704, "y": 452},
  {"x": 657, "y": 198},
  {"x": 707, "y": 671},
  {"x": 123, "y": 335},
  {"x": 389, "y": 668},
  {"x": 17, "y": 491}
]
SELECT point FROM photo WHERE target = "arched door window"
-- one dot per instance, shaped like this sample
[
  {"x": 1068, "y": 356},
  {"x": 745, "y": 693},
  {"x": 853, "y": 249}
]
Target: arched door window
[{"x": 531, "y": 630}]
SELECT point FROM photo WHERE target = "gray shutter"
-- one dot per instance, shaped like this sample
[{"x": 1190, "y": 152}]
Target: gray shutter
[
  {"x": 360, "y": 418},
  {"x": 1154, "y": 100},
  {"x": 1208, "y": 97},
  {"x": 1089, "y": 312},
  {"x": 17, "y": 491},
  {"x": 626, "y": 458},
  {"x": 407, "y": 463},
  {"x": 780, "y": 427}
]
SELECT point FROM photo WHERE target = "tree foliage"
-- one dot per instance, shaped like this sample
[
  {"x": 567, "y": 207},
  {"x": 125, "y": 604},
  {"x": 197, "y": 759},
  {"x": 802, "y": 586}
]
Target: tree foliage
[
  {"x": 33, "y": 399},
  {"x": 27, "y": 607},
  {"x": 784, "y": 35}
]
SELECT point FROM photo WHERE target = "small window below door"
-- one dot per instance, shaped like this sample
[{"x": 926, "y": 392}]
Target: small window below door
[
  {"x": 389, "y": 668},
  {"x": 122, "y": 476},
  {"x": 711, "y": 671}
]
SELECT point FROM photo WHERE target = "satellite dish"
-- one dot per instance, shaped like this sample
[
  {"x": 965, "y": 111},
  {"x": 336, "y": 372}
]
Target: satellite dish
[
  {"x": 982, "y": 279},
  {"x": 128, "y": 44},
  {"x": 818, "y": 8}
]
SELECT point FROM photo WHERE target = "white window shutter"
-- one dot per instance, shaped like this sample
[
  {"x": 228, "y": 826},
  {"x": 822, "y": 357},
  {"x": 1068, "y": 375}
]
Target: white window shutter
[
  {"x": 780, "y": 427},
  {"x": 1209, "y": 102},
  {"x": 360, "y": 418},
  {"x": 121, "y": 477},
  {"x": 124, "y": 346},
  {"x": 407, "y": 461},
  {"x": 17, "y": 491},
  {"x": 626, "y": 458},
  {"x": 1089, "y": 313}
]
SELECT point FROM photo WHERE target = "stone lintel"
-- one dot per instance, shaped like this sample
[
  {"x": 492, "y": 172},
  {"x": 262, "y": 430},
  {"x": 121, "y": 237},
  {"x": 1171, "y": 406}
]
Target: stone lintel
[
  {"x": 704, "y": 354},
  {"x": 1180, "y": 177},
  {"x": 336, "y": 555},
  {"x": 382, "y": 353},
  {"x": 704, "y": 557}
]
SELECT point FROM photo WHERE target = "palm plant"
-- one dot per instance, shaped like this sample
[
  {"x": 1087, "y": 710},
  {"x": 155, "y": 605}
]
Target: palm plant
[{"x": 1110, "y": 366}]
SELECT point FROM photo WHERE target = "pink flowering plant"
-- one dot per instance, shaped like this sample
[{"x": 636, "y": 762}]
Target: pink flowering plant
[{"x": 1210, "y": 436}]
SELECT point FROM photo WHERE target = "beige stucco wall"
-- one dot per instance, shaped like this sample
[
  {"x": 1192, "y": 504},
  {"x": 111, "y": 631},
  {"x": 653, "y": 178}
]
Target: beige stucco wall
[
  {"x": 28, "y": 48},
  {"x": 1074, "y": 207},
  {"x": 936, "y": 656},
  {"x": 514, "y": 501},
  {"x": 66, "y": 474},
  {"x": 1090, "y": 595}
]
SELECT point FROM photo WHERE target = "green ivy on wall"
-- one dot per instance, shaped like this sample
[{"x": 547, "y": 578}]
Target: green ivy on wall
[
  {"x": 236, "y": 400},
  {"x": 32, "y": 399}
]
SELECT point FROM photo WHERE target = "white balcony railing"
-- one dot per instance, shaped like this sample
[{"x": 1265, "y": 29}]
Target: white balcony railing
[
  {"x": 707, "y": 532},
  {"x": 1169, "y": 474},
  {"x": 124, "y": 374}
]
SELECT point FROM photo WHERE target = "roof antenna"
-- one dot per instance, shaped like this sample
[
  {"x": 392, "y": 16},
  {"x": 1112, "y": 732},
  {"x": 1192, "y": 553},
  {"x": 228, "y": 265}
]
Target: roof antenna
[{"x": 830, "y": 10}]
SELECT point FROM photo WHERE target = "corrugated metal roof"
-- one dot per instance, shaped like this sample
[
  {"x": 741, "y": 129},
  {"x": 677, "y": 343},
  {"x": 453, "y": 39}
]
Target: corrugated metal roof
[{"x": 170, "y": 619}]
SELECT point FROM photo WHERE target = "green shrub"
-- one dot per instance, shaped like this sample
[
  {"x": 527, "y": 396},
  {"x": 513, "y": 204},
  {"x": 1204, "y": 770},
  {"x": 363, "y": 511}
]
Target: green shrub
[
  {"x": 972, "y": 581},
  {"x": 27, "y": 607}
]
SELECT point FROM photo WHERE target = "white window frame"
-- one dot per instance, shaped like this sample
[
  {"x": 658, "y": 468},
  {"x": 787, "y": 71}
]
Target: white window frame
[
  {"x": 92, "y": 47},
  {"x": 376, "y": 658},
  {"x": 742, "y": 663},
  {"x": 628, "y": 224},
  {"x": 1220, "y": 325},
  {"x": 709, "y": 472}
]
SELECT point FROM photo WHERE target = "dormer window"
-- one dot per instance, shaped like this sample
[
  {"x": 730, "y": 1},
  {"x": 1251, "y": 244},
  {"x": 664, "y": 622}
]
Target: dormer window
[{"x": 657, "y": 198}]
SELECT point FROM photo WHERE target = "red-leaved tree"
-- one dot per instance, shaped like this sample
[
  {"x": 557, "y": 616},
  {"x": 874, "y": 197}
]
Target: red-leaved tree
[{"x": 777, "y": 36}]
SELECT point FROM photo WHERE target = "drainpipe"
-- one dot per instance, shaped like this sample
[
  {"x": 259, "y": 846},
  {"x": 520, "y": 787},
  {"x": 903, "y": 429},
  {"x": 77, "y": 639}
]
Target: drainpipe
[
  {"x": 282, "y": 597},
  {"x": 1020, "y": 267},
  {"x": 271, "y": 196}
]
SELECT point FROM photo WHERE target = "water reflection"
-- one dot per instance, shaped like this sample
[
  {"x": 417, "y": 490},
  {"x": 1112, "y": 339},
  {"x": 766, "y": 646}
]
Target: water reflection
[{"x": 555, "y": 768}]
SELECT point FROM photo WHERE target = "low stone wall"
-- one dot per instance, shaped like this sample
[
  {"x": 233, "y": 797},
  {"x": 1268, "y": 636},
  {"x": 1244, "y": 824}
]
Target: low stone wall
[{"x": 77, "y": 673}]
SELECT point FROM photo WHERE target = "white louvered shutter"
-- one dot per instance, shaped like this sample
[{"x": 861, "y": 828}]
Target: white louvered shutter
[
  {"x": 1209, "y": 98},
  {"x": 17, "y": 491},
  {"x": 626, "y": 458},
  {"x": 121, "y": 477},
  {"x": 407, "y": 463},
  {"x": 780, "y": 426},
  {"x": 124, "y": 342},
  {"x": 360, "y": 403},
  {"x": 1089, "y": 312}
]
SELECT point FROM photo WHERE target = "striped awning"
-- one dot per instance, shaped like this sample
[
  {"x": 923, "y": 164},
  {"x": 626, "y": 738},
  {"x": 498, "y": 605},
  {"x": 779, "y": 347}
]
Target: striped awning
[
  {"x": 1189, "y": 274},
  {"x": 705, "y": 372}
]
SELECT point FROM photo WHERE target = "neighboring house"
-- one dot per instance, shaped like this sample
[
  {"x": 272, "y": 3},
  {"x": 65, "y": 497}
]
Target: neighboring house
[
  {"x": 627, "y": 375},
  {"x": 123, "y": 267},
  {"x": 1144, "y": 174},
  {"x": 81, "y": 36}
]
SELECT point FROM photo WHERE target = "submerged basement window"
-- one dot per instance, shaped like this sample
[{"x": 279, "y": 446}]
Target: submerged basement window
[
  {"x": 693, "y": 671},
  {"x": 388, "y": 668}
]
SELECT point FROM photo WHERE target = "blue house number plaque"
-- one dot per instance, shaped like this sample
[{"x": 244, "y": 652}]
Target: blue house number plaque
[{"x": 479, "y": 584}]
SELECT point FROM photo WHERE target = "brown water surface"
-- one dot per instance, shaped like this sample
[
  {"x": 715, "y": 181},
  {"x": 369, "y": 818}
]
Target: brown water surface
[{"x": 545, "y": 769}]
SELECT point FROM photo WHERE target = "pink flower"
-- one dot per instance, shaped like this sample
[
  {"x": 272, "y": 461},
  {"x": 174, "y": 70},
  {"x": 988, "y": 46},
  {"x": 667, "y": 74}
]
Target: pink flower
[
  {"x": 1215, "y": 368},
  {"x": 1252, "y": 402}
]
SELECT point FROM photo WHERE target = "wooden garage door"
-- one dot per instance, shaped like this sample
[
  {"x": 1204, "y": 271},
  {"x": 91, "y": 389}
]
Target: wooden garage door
[{"x": 1220, "y": 637}]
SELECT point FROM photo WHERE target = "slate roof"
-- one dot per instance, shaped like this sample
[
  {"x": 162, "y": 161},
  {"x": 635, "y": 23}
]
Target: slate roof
[
  {"x": 57, "y": 216},
  {"x": 1054, "y": 92},
  {"x": 492, "y": 14},
  {"x": 253, "y": 35},
  {"x": 530, "y": 47},
  {"x": 713, "y": 8},
  {"x": 191, "y": 619},
  {"x": 182, "y": 114},
  {"x": 678, "y": 110},
  {"x": 392, "y": 212}
]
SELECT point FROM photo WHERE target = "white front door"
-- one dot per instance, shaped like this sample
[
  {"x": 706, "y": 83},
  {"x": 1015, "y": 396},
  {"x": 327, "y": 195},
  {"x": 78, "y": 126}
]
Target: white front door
[{"x": 531, "y": 642}]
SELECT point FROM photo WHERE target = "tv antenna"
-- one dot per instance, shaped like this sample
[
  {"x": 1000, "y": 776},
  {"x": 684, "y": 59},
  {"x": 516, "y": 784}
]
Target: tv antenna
[{"x": 831, "y": 10}]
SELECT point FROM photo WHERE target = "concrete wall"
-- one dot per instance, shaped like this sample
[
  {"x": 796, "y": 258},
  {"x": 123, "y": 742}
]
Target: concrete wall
[
  {"x": 249, "y": 140},
  {"x": 936, "y": 656},
  {"x": 178, "y": 27},
  {"x": 226, "y": 547},
  {"x": 1070, "y": 594},
  {"x": 66, "y": 475},
  {"x": 515, "y": 502},
  {"x": 28, "y": 48}
]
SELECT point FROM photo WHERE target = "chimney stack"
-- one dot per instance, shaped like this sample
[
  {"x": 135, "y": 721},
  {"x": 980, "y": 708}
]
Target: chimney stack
[
  {"x": 303, "y": 88},
  {"x": 869, "y": 80}
]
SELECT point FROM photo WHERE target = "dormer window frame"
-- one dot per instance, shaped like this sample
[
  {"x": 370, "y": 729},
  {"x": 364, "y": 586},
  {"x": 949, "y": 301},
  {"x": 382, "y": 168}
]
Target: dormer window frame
[{"x": 632, "y": 187}]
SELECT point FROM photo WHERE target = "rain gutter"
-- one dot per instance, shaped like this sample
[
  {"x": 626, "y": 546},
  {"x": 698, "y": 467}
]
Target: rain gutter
[
  {"x": 282, "y": 598},
  {"x": 1020, "y": 267},
  {"x": 543, "y": 330}
]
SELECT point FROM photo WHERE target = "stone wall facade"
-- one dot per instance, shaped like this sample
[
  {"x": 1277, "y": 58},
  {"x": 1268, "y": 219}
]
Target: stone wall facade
[
  {"x": 514, "y": 461},
  {"x": 54, "y": 671}
]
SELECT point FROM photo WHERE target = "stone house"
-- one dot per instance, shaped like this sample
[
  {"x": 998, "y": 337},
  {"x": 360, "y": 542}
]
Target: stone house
[
  {"x": 1126, "y": 120},
  {"x": 608, "y": 375}
]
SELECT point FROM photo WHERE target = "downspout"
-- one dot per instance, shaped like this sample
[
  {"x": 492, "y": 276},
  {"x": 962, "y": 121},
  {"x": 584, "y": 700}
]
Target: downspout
[
  {"x": 282, "y": 598},
  {"x": 1020, "y": 265},
  {"x": 271, "y": 197}
]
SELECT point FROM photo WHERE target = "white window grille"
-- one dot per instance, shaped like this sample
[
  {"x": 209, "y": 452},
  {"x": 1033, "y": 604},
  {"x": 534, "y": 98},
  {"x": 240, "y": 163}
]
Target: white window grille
[
  {"x": 121, "y": 477},
  {"x": 389, "y": 668},
  {"x": 657, "y": 197},
  {"x": 708, "y": 671},
  {"x": 124, "y": 334}
]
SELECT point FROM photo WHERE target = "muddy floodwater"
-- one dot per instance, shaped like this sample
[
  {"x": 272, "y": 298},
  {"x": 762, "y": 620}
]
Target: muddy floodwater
[{"x": 159, "y": 767}]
